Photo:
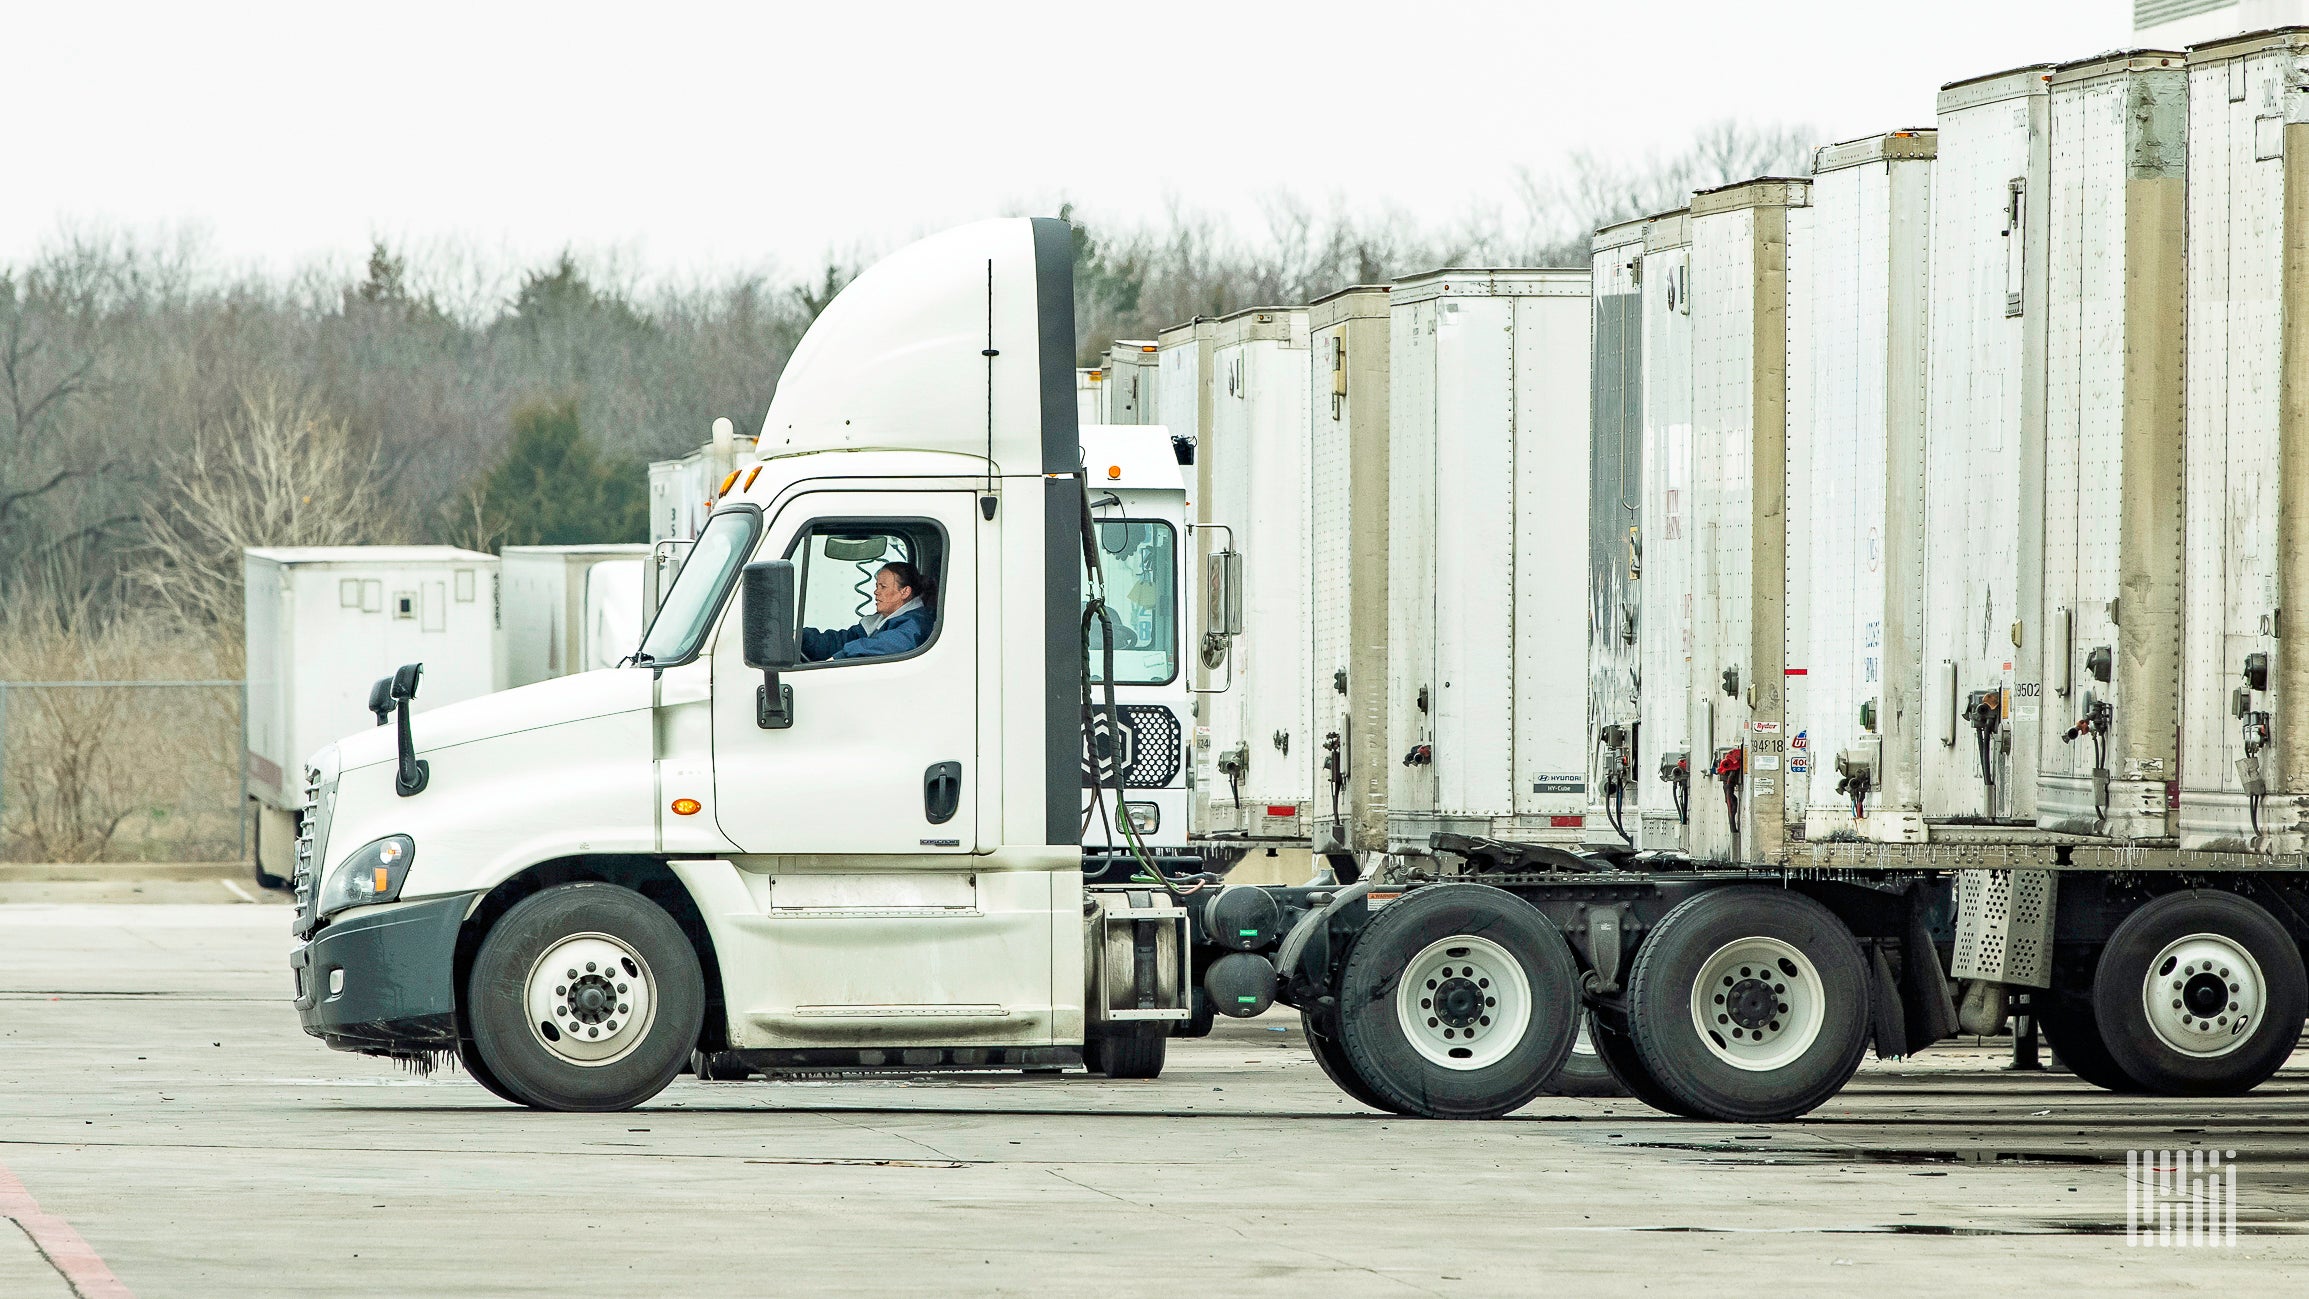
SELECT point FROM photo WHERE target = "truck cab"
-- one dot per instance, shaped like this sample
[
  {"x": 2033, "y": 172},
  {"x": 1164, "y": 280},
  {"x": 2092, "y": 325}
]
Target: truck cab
[
  {"x": 749, "y": 839},
  {"x": 1138, "y": 500}
]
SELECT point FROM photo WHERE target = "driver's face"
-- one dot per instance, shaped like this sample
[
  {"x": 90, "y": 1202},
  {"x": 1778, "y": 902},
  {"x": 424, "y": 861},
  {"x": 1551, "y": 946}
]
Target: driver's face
[{"x": 888, "y": 594}]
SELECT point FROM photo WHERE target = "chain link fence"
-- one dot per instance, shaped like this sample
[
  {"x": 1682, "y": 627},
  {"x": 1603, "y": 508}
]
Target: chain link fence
[{"x": 98, "y": 771}]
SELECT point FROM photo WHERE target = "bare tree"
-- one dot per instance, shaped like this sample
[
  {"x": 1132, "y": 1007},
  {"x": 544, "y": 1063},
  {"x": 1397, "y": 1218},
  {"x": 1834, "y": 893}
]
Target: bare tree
[{"x": 283, "y": 471}]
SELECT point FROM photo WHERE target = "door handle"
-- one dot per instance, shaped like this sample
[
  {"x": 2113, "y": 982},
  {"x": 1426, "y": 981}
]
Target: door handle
[{"x": 941, "y": 791}]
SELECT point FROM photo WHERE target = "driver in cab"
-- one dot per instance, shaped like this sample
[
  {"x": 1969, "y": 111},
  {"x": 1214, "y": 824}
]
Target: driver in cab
[{"x": 900, "y": 622}]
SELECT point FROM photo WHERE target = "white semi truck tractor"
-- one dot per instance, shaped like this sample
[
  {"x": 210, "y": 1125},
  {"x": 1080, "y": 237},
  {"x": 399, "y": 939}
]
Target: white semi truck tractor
[{"x": 793, "y": 836}]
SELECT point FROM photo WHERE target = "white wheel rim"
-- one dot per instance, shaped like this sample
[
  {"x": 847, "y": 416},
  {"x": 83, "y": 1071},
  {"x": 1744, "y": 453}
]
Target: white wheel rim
[
  {"x": 1758, "y": 1004},
  {"x": 591, "y": 999},
  {"x": 2204, "y": 995},
  {"x": 1463, "y": 1002}
]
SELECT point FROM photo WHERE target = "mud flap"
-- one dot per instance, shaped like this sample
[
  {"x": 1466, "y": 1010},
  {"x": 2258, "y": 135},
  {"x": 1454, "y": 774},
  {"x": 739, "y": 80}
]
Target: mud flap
[
  {"x": 1931, "y": 1012},
  {"x": 1887, "y": 1019}
]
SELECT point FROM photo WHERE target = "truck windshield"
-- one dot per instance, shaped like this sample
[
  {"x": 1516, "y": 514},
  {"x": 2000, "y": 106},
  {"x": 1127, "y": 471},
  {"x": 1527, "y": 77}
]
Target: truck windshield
[
  {"x": 1139, "y": 560},
  {"x": 697, "y": 594}
]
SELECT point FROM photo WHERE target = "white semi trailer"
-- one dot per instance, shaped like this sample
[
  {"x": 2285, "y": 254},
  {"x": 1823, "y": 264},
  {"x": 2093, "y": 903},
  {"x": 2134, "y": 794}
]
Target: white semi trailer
[
  {"x": 1131, "y": 392},
  {"x": 571, "y": 609},
  {"x": 1664, "y": 613},
  {"x": 1615, "y": 517},
  {"x": 321, "y": 624}
]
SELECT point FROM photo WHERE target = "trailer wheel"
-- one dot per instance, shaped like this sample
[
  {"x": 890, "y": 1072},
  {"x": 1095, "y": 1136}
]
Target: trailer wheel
[
  {"x": 1458, "y": 1001},
  {"x": 479, "y": 1069},
  {"x": 2200, "y": 994},
  {"x": 2068, "y": 1024},
  {"x": 1130, "y": 1050},
  {"x": 585, "y": 997},
  {"x": 1749, "y": 1005},
  {"x": 1332, "y": 1058},
  {"x": 1584, "y": 1072},
  {"x": 1618, "y": 1052}
]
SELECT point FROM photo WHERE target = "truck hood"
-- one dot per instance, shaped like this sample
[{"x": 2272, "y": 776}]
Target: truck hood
[{"x": 525, "y": 708}]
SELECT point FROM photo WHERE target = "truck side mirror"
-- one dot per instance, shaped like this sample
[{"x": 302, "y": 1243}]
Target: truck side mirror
[
  {"x": 769, "y": 614},
  {"x": 1223, "y": 593},
  {"x": 405, "y": 680},
  {"x": 770, "y": 642},
  {"x": 381, "y": 700}
]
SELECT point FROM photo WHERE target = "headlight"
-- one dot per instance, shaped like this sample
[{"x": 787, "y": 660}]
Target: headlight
[
  {"x": 372, "y": 874},
  {"x": 1144, "y": 818}
]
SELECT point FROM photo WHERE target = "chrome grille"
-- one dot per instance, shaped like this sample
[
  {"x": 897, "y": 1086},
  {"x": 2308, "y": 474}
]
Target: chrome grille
[
  {"x": 1145, "y": 745},
  {"x": 305, "y": 879}
]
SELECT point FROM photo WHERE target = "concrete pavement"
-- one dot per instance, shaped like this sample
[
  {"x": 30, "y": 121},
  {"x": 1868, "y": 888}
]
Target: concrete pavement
[{"x": 157, "y": 1096}]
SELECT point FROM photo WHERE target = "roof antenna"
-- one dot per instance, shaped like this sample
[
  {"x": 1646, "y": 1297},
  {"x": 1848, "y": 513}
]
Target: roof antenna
[{"x": 986, "y": 502}]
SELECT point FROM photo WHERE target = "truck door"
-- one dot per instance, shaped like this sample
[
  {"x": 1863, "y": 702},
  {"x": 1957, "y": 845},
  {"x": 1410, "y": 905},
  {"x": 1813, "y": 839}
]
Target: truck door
[
  {"x": 878, "y": 924},
  {"x": 881, "y": 756}
]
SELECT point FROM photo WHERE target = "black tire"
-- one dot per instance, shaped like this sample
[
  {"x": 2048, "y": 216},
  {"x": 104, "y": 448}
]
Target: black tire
[
  {"x": 2218, "y": 926},
  {"x": 2067, "y": 1024},
  {"x": 667, "y": 968},
  {"x": 718, "y": 1066},
  {"x": 1617, "y": 1050},
  {"x": 1800, "y": 1060},
  {"x": 1131, "y": 1050},
  {"x": 479, "y": 1069},
  {"x": 1200, "y": 1016},
  {"x": 1332, "y": 1059},
  {"x": 1480, "y": 942},
  {"x": 1584, "y": 1072}
]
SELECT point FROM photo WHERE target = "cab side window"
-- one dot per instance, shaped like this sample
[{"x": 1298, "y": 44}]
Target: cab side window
[{"x": 869, "y": 589}]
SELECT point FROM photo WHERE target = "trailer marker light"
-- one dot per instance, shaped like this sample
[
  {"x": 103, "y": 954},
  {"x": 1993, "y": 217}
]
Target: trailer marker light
[
  {"x": 1567, "y": 822},
  {"x": 1114, "y": 471},
  {"x": 726, "y": 484},
  {"x": 757, "y": 472},
  {"x": 686, "y": 807},
  {"x": 1282, "y": 809}
]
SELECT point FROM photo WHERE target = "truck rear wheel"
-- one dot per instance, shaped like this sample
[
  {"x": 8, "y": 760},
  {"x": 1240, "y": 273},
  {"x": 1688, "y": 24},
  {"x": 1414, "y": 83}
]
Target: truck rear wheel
[
  {"x": 1584, "y": 1072},
  {"x": 1458, "y": 1001},
  {"x": 2200, "y": 994},
  {"x": 1749, "y": 1005},
  {"x": 585, "y": 997},
  {"x": 1618, "y": 1052},
  {"x": 2068, "y": 1024},
  {"x": 1131, "y": 1050},
  {"x": 1332, "y": 1059}
]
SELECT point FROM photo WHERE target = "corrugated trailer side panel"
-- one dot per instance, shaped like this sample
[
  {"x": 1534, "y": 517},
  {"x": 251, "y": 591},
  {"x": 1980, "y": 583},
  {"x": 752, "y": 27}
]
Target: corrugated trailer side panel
[
  {"x": 1739, "y": 429},
  {"x": 1856, "y": 394},
  {"x": 1664, "y": 627},
  {"x": 1411, "y": 511},
  {"x": 1471, "y": 682},
  {"x": 1551, "y": 338},
  {"x": 1487, "y": 677},
  {"x": 1984, "y": 450},
  {"x": 1615, "y": 517},
  {"x": 2244, "y": 787},
  {"x": 2114, "y": 420},
  {"x": 1260, "y": 477},
  {"x": 1798, "y": 516},
  {"x": 1182, "y": 373},
  {"x": 1347, "y": 402},
  {"x": 270, "y": 661}
]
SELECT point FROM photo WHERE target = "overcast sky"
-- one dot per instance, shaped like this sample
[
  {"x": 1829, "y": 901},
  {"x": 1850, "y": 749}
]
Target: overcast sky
[{"x": 688, "y": 137}]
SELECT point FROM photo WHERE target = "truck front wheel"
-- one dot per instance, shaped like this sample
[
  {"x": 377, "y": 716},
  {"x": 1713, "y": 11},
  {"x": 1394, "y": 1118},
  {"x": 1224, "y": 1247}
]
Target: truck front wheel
[
  {"x": 2199, "y": 994},
  {"x": 1749, "y": 1005},
  {"x": 1459, "y": 1001},
  {"x": 585, "y": 997}
]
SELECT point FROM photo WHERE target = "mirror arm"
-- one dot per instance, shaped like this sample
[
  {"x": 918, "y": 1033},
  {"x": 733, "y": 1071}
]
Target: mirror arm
[
  {"x": 413, "y": 773},
  {"x": 773, "y": 703}
]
